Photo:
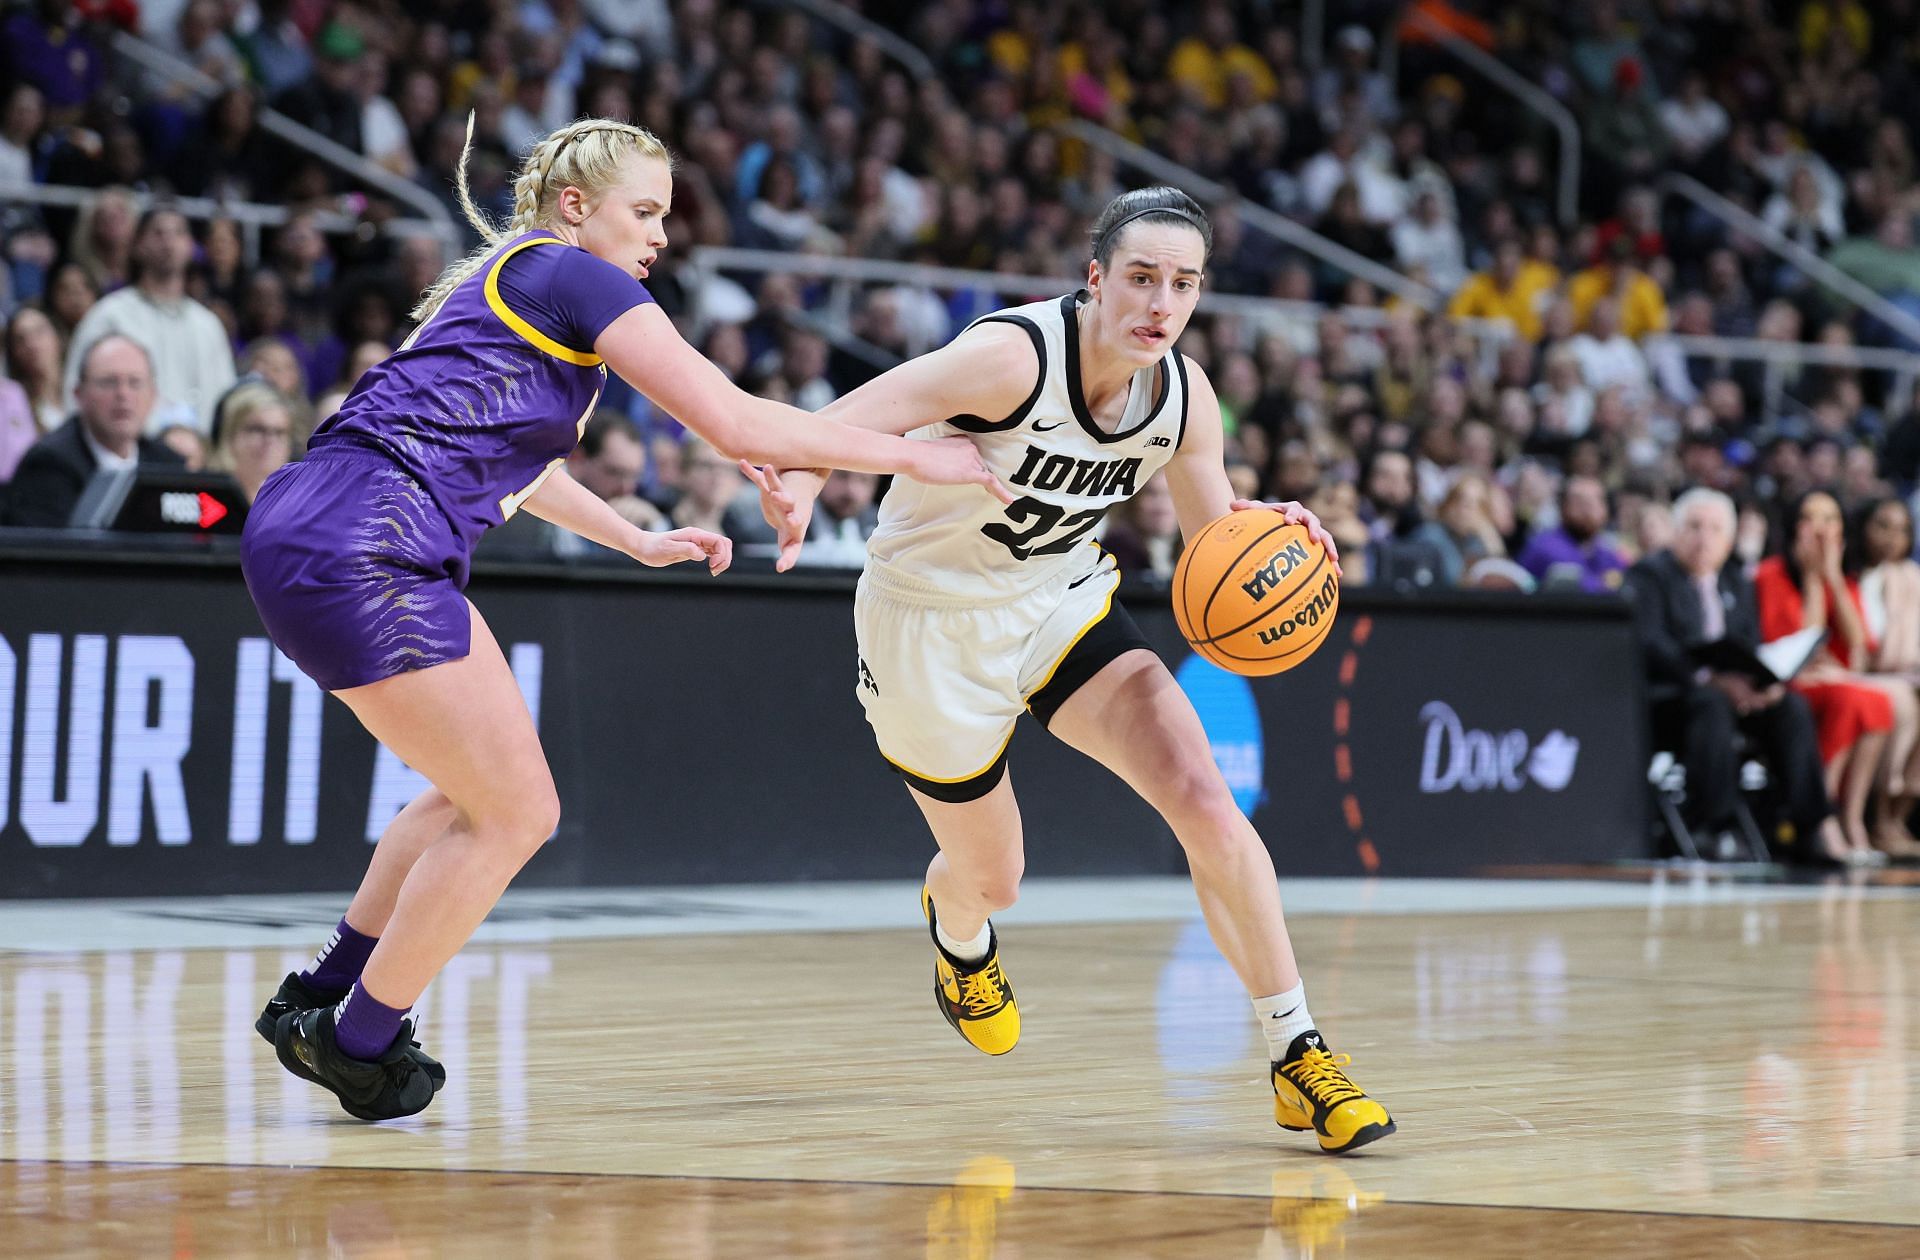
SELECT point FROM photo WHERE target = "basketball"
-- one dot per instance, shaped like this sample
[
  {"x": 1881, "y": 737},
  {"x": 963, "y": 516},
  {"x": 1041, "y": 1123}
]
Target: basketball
[{"x": 1254, "y": 593}]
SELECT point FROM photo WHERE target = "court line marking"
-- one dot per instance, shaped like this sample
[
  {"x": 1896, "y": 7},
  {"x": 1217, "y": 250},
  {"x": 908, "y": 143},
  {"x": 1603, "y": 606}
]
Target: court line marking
[{"x": 949, "y": 1185}]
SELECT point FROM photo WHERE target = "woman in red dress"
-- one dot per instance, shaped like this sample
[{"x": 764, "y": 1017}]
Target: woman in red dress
[{"x": 1805, "y": 586}]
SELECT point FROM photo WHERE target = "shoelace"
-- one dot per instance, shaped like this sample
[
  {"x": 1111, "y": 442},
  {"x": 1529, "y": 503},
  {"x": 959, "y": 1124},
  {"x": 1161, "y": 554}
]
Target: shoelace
[
  {"x": 1317, "y": 1074},
  {"x": 983, "y": 991}
]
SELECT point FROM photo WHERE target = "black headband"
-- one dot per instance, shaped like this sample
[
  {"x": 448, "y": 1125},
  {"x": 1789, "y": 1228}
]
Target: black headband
[{"x": 1099, "y": 246}]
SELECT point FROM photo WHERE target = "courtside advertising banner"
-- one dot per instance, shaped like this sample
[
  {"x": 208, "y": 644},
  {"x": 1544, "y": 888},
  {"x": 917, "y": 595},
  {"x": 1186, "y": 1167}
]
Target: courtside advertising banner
[{"x": 153, "y": 742}]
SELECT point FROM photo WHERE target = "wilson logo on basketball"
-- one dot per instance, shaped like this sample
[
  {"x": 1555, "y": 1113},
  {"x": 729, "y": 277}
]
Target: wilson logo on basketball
[
  {"x": 1289, "y": 558},
  {"x": 1309, "y": 615}
]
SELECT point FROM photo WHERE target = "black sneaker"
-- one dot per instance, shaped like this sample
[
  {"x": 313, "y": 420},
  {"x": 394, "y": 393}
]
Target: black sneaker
[
  {"x": 386, "y": 1088},
  {"x": 296, "y": 995}
]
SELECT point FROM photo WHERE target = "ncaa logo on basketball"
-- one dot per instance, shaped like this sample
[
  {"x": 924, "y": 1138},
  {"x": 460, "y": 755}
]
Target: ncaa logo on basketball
[{"x": 1263, "y": 581}]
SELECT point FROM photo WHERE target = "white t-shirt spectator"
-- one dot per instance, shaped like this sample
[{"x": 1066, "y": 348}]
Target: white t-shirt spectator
[
  {"x": 1614, "y": 361},
  {"x": 383, "y": 134},
  {"x": 192, "y": 358},
  {"x": 1694, "y": 128},
  {"x": 1436, "y": 246}
]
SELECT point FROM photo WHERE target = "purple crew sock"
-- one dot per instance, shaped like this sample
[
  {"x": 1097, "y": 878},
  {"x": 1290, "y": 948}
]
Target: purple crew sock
[
  {"x": 341, "y": 960},
  {"x": 364, "y": 1026}
]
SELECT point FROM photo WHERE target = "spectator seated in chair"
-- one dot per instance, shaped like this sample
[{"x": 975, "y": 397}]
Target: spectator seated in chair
[{"x": 1686, "y": 596}]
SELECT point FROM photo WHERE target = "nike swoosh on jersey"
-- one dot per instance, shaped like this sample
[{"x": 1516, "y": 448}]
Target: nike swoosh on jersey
[{"x": 1047, "y": 428}]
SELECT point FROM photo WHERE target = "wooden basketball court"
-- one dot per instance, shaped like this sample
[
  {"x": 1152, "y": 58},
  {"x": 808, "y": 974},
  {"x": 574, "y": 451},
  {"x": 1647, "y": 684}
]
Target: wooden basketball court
[{"x": 1674, "y": 1070}]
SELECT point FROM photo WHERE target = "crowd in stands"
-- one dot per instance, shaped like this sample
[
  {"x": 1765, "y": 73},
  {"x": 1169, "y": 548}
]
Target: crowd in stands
[{"x": 1541, "y": 449}]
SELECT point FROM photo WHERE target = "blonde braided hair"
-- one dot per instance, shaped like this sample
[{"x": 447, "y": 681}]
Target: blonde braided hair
[{"x": 587, "y": 154}]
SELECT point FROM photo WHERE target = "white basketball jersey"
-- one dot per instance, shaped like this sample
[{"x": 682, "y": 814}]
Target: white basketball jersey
[{"x": 1065, "y": 469}]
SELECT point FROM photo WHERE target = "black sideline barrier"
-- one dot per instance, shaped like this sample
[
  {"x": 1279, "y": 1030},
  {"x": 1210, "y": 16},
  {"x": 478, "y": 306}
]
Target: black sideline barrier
[{"x": 703, "y": 730}]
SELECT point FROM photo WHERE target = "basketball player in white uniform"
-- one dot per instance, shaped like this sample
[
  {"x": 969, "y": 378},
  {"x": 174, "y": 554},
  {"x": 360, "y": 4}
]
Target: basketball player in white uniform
[{"x": 971, "y": 612}]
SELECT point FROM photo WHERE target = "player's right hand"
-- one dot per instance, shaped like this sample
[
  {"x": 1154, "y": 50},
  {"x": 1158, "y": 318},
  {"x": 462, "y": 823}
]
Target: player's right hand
[
  {"x": 786, "y": 511},
  {"x": 955, "y": 462}
]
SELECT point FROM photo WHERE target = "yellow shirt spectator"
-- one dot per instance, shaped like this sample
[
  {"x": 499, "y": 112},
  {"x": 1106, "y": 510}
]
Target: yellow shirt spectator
[
  {"x": 1817, "y": 19},
  {"x": 1515, "y": 289},
  {"x": 1204, "y": 70},
  {"x": 1643, "y": 308}
]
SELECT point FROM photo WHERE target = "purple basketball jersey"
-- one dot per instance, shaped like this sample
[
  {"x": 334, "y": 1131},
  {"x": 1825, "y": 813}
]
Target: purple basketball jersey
[{"x": 494, "y": 389}]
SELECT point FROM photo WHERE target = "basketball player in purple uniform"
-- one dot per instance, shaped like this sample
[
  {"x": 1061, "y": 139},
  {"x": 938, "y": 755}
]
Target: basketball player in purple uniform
[{"x": 357, "y": 559}]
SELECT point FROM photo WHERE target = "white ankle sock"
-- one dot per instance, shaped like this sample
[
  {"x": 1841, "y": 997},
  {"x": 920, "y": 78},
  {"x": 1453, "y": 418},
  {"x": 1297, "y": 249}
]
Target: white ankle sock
[
  {"x": 966, "y": 951},
  {"x": 1282, "y": 1018}
]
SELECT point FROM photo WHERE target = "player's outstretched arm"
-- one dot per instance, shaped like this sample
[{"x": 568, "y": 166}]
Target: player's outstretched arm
[
  {"x": 988, "y": 370},
  {"x": 1197, "y": 475},
  {"x": 564, "y": 502},
  {"x": 648, "y": 352}
]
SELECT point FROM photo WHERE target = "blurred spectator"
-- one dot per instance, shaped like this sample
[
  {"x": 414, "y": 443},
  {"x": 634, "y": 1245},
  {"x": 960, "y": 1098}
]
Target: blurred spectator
[
  {"x": 1805, "y": 586},
  {"x": 1143, "y": 534},
  {"x": 22, "y": 118},
  {"x": 1514, "y": 289},
  {"x": 1880, "y": 556},
  {"x": 18, "y": 428},
  {"x": 1428, "y": 243},
  {"x": 188, "y": 443},
  {"x": 33, "y": 357},
  {"x": 1694, "y": 121},
  {"x": 50, "y": 45},
  {"x": 1607, "y": 356},
  {"x": 1576, "y": 554},
  {"x": 1686, "y": 596},
  {"x": 192, "y": 358},
  {"x": 714, "y": 497},
  {"x": 844, "y": 517},
  {"x": 1463, "y": 529},
  {"x": 611, "y": 461},
  {"x": 102, "y": 243},
  {"x": 254, "y": 436},
  {"x": 115, "y": 395},
  {"x": 1639, "y": 306}
]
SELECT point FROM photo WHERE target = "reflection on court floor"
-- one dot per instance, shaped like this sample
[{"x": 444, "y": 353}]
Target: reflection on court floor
[{"x": 1739, "y": 1058}]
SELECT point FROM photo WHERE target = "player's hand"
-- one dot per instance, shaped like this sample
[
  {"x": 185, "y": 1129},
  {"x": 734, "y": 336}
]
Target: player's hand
[
  {"x": 787, "y": 510},
  {"x": 1297, "y": 514},
  {"x": 657, "y": 551},
  {"x": 955, "y": 462}
]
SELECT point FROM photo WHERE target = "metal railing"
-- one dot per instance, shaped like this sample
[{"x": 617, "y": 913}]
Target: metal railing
[
  {"x": 1533, "y": 96},
  {"x": 1777, "y": 358},
  {"x": 1255, "y": 215},
  {"x": 915, "y": 62},
  {"x": 1259, "y": 315},
  {"x": 274, "y": 123},
  {"x": 1774, "y": 359},
  {"x": 250, "y": 215},
  {"x": 1816, "y": 268}
]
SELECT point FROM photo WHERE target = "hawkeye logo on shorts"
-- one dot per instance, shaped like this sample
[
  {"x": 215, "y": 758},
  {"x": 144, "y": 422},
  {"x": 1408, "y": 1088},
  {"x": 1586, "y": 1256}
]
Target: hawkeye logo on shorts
[
  {"x": 866, "y": 676},
  {"x": 1097, "y": 478},
  {"x": 1265, "y": 580}
]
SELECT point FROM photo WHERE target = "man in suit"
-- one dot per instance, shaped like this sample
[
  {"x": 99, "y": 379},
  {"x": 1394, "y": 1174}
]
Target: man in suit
[
  {"x": 1685, "y": 596},
  {"x": 115, "y": 393}
]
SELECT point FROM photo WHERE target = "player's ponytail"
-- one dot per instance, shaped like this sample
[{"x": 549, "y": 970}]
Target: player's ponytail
[
  {"x": 586, "y": 154},
  {"x": 1159, "y": 204}
]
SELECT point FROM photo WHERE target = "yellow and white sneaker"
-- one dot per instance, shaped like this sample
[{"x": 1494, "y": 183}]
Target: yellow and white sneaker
[
  {"x": 1311, "y": 1092},
  {"x": 975, "y": 998}
]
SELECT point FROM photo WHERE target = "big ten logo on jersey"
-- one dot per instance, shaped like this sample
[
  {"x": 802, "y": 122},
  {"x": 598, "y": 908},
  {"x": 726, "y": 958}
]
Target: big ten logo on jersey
[
  {"x": 1051, "y": 473},
  {"x": 1264, "y": 581}
]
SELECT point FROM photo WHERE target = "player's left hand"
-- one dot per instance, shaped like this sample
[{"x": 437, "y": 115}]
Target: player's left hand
[
  {"x": 1297, "y": 514},
  {"x": 787, "y": 511},
  {"x": 657, "y": 551}
]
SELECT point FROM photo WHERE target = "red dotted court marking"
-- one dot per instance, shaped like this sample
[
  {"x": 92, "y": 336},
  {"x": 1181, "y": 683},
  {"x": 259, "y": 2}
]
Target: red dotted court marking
[{"x": 1343, "y": 753}]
